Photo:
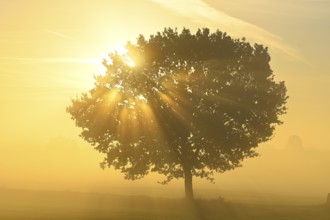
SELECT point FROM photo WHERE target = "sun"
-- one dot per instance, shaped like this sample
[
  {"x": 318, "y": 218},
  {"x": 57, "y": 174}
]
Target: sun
[{"x": 122, "y": 51}]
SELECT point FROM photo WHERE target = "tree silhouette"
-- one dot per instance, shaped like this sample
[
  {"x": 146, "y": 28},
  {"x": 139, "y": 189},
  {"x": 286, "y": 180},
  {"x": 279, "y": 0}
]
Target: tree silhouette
[{"x": 192, "y": 105}]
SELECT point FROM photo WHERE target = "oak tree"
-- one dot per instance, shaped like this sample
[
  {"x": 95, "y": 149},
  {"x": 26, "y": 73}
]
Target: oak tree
[{"x": 191, "y": 105}]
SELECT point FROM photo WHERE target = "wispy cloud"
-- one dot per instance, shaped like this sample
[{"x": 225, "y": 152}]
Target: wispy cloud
[
  {"x": 58, "y": 34},
  {"x": 23, "y": 60},
  {"x": 202, "y": 13},
  {"x": 10, "y": 41}
]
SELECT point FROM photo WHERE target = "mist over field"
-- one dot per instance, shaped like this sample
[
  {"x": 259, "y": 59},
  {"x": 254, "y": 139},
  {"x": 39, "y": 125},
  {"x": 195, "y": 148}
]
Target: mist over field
[{"x": 290, "y": 174}]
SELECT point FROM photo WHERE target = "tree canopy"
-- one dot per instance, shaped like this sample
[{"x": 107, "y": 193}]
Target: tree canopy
[{"x": 191, "y": 105}]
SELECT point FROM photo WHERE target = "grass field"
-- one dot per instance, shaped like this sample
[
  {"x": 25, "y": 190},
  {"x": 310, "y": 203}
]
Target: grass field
[{"x": 47, "y": 205}]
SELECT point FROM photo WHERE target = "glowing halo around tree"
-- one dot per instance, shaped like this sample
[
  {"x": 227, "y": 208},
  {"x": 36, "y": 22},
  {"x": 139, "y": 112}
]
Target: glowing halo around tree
[{"x": 191, "y": 105}]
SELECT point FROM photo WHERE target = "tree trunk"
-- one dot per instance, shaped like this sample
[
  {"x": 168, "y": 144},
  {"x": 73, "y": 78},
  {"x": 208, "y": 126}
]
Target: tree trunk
[{"x": 188, "y": 184}]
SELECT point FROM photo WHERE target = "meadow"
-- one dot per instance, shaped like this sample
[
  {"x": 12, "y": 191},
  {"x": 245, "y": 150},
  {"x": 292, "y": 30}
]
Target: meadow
[{"x": 67, "y": 205}]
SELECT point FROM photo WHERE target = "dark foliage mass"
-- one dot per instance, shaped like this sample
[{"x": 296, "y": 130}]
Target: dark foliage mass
[{"x": 192, "y": 104}]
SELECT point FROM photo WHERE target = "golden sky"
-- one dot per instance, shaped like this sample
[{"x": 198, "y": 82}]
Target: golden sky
[{"x": 50, "y": 51}]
